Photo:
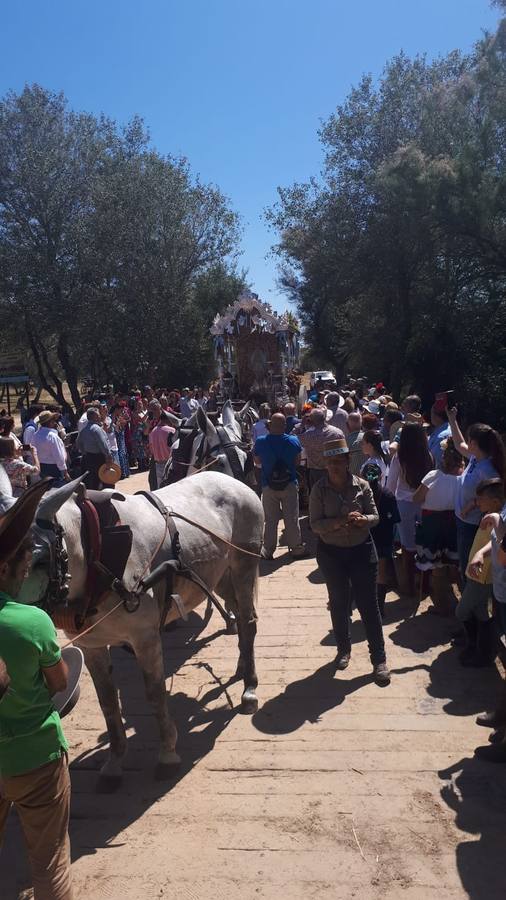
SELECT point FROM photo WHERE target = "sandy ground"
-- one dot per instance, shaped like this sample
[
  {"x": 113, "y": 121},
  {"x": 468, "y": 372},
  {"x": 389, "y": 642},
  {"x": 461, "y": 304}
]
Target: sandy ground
[{"x": 336, "y": 788}]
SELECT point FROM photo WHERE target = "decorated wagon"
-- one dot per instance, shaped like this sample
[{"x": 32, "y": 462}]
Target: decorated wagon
[{"x": 256, "y": 350}]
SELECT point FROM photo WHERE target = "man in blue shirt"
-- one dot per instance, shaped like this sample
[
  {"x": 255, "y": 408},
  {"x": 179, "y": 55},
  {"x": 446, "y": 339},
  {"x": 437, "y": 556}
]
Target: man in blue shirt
[
  {"x": 278, "y": 454},
  {"x": 442, "y": 431}
]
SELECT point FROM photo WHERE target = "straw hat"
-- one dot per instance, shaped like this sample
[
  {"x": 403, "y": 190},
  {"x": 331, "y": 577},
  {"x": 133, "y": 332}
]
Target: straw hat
[
  {"x": 46, "y": 416},
  {"x": 109, "y": 473},
  {"x": 335, "y": 448},
  {"x": 17, "y": 521}
]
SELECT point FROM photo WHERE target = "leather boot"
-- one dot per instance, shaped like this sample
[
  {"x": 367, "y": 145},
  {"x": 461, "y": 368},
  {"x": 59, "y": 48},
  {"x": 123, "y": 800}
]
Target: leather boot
[
  {"x": 471, "y": 629},
  {"x": 497, "y": 718}
]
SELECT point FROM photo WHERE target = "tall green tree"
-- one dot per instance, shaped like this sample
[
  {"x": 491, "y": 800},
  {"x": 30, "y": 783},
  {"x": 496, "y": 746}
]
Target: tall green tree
[
  {"x": 109, "y": 252},
  {"x": 395, "y": 257}
]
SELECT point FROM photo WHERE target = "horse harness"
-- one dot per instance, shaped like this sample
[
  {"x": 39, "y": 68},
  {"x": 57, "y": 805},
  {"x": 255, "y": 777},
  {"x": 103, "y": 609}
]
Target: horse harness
[{"x": 107, "y": 544}]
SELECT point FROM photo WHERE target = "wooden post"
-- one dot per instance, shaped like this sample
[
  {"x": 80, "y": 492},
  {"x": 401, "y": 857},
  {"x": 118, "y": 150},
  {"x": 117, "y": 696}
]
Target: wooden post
[{"x": 8, "y": 400}]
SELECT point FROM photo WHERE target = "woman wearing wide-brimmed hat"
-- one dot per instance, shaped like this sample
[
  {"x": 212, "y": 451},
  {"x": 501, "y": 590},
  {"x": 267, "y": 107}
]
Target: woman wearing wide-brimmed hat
[{"x": 342, "y": 512}]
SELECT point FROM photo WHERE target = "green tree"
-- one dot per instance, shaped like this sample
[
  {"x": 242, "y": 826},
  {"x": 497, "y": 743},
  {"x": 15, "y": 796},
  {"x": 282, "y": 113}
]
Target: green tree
[
  {"x": 104, "y": 248},
  {"x": 395, "y": 258}
]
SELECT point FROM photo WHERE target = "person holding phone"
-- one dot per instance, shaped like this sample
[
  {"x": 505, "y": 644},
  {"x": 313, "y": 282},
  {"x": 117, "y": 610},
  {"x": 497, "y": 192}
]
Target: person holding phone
[
  {"x": 17, "y": 469},
  {"x": 486, "y": 457},
  {"x": 408, "y": 467}
]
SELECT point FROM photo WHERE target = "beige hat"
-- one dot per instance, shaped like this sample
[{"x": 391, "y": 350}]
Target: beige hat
[
  {"x": 109, "y": 473},
  {"x": 46, "y": 416},
  {"x": 335, "y": 448}
]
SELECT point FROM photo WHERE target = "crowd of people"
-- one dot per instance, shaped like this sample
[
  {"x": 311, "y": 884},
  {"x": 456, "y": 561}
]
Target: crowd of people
[
  {"x": 396, "y": 498},
  {"x": 395, "y": 494},
  {"x": 132, "y": 432}
]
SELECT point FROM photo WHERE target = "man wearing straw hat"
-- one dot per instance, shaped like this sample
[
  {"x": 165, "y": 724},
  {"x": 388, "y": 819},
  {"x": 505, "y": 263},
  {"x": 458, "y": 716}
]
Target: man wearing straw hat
[
  {"x": 34, "y": 773},
  {"x": 50, "y": 448}
]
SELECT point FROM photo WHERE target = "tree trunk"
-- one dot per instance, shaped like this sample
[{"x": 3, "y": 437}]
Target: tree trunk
[
  {"x": 39, "y": 365},
  {"x": 70, "y": 374}
]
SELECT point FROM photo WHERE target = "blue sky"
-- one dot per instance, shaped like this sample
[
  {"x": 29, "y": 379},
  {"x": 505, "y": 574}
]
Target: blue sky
[{"x": 237, "y": 86}]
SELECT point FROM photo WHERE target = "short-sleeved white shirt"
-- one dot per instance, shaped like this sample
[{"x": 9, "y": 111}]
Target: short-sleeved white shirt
[{"x": 442, "y": 492}]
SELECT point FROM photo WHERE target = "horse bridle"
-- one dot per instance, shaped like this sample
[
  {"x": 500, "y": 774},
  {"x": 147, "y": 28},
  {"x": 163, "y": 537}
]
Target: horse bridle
[
  {"x": 57, "y": 590},
  {"x": 226, "y": 445}
]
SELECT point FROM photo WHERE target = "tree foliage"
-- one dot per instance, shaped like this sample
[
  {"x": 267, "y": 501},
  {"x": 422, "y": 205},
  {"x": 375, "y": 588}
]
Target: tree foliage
[
  {"x": 396, "y": 257},
  {"x": 113, "y": 258}
]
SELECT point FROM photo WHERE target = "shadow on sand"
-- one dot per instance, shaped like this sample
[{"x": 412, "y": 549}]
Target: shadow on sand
[
  {"x": 96, "y": 819},
  {"x": 476, "y": 792},
  {"x": 306, "y": 700}
]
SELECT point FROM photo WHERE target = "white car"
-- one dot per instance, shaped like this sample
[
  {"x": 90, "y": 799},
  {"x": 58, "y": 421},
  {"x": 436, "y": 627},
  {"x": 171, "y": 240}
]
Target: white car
[{"x": 322, "y": 375}]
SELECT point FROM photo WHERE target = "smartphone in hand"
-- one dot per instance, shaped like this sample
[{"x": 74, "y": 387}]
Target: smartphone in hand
[{"x": 443, "y": 400}]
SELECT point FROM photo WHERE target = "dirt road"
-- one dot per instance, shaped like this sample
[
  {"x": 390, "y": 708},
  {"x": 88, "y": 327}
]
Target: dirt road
[{"x": 335, "y": 789}]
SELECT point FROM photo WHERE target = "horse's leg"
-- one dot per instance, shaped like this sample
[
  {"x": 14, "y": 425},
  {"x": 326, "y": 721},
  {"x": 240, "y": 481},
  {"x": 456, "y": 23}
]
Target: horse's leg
[
  {"x": 98, "y": 662},
  {"x": 244, "y": 576},
  {"x": 150, "y": 658}
]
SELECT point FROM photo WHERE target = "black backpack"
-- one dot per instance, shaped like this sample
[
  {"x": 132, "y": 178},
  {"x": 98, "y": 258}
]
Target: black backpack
[{"x": 280, "y": 477}]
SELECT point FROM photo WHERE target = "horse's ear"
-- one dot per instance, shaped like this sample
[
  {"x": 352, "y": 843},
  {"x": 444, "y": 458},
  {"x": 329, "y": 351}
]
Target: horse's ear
[
  {"x": 173, "y": 420},
  {"x": 54, "y": 500},
  {"x": 205, "y": 423},
  {"x": 228, "y": 414},
  {"x": 242, "y": 412}
]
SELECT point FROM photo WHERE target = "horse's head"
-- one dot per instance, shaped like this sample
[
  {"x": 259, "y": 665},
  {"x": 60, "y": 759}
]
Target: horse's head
[
  {"x": 49, "y": 579},
  {"x": 221, "y": 448},
  {"x": 247, "y": 416}
]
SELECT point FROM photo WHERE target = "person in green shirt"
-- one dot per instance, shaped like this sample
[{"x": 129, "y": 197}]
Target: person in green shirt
[
  {"x": 4, "y": 678},
  {"x": 34, "y": 773}
]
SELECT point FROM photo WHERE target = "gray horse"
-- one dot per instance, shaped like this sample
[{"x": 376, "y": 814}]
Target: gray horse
[
  {"x": 221, "y": 447},
  {"x": 219, "y": 506}
]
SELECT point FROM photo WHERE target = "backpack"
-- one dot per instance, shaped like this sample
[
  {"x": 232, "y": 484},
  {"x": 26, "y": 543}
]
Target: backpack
[{"x": 280, "y": 476}]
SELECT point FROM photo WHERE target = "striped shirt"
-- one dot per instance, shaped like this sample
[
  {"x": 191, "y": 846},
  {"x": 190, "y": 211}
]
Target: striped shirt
[{"x": 313, "y": 440}]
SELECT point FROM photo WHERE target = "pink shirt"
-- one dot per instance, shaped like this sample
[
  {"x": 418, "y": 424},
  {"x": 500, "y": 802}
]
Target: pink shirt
[{"x": 158, "y": 442}]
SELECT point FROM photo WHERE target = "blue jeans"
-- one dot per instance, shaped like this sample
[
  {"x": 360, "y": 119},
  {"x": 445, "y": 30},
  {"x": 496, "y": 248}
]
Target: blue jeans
[{"x": 466, "y": 532}]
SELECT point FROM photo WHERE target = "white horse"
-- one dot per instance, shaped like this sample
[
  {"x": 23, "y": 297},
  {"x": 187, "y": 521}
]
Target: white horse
[
  {"x": 220, "y": 447},
  {"x": 222, "y": 550}
]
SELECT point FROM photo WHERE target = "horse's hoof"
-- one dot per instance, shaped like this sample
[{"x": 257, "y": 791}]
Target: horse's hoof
[
  {"x": 232, "y": 626},
  {"x": 166, "y": 771},
  {"x": 249, "y": 703},
  {"x": 108, "y": 784}
]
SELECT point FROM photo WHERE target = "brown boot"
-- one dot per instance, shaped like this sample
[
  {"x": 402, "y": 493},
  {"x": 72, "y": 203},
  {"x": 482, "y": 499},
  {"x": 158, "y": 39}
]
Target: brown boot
[{"x": 443, "y": 598}]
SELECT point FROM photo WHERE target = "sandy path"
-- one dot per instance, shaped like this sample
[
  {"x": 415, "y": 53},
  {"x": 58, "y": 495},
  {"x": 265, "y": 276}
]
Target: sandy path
[{"x": 335, "y": 789}]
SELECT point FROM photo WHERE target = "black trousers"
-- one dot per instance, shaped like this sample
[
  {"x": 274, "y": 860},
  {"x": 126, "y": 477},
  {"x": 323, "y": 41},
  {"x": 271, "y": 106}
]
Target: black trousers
[
  {"x": 91, "y": 465},
  {"x": 346, "y": 569}
]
